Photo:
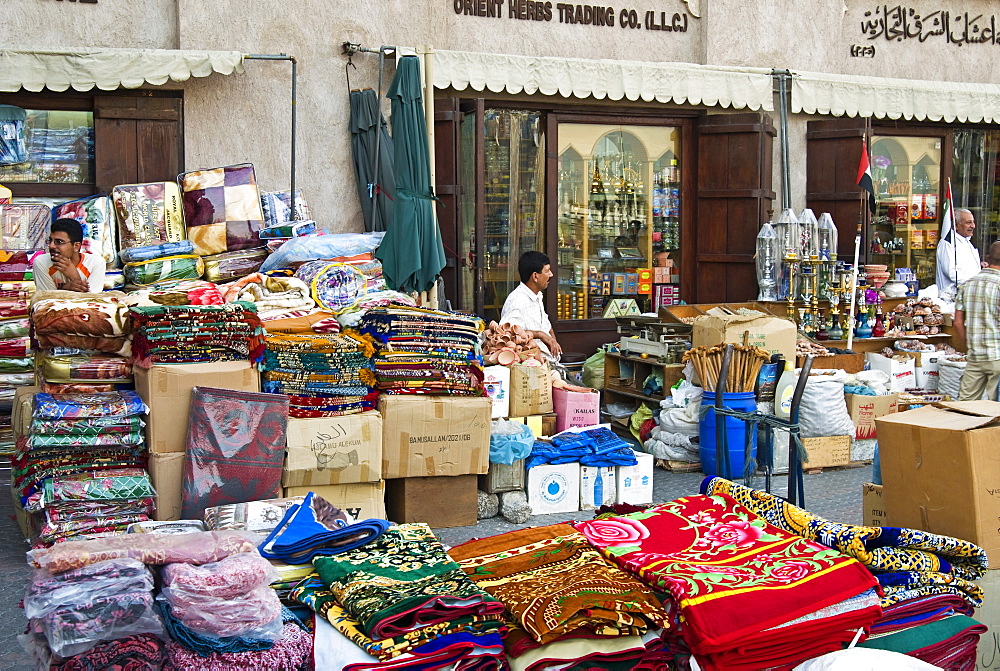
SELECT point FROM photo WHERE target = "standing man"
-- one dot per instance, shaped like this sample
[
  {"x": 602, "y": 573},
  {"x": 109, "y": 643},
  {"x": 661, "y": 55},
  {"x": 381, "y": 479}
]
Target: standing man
[
  {"x": 957, "y": 258},
  {"x": 525, "y": 306},
  {"x": 65, "y": 267},
  {"x": 977, "y": 314}
]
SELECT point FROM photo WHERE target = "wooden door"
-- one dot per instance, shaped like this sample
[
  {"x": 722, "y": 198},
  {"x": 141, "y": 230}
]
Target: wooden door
[
  {"x": 734, "y": 197},
  {"x": 137, "y": 139},
  {"x": 833, "y": 153},
  {"x": 447, "y": 138}
]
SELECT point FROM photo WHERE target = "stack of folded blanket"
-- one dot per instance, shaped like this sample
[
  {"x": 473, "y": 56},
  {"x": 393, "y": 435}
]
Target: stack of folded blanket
[
  {"x": 82, "y": 321},
  {"x": 196, "y": 333},
  {"x": 598, "y": 446}
]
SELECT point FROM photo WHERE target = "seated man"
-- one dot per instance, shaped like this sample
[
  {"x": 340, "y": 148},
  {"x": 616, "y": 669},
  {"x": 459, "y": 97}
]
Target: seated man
[
  {"x": 525, "y": 305},
  {"x": 65, "y": 267}
]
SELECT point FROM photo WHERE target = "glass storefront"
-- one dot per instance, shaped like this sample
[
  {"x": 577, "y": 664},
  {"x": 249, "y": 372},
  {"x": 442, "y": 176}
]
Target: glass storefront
[
  {"x": 976, "y": 161},
  {"x": 60, "y": 148}
]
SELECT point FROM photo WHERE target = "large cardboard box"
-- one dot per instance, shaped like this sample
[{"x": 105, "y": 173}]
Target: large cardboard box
[
  {"x": 827, "y": 451},
  {"x": 434, "y": 435},
  {"x": 865, "y": 409},
  {"x": 362, "y": 500},
  {"x": 554, "y": 488},
  {"x": 901, "y": 369},
  {"x": 872, "y": 506},
  {"x": 496, "y": 379},
  {"x": 597, "y": 486},
  {"x": 530, "y": 390},
  {"x": 166, "y": 389},
  {"x": 540, "y": 425},
  {"x": 575, "y": 408},
  {"x": 166, "y": 473},
  {"x": 634, "y": 484},
  {"x": 940, "y": 471},
  {"x": 776, "y": 335},
  {"x": 445, "y": 501},
  {"x": 333, "y": 450}
]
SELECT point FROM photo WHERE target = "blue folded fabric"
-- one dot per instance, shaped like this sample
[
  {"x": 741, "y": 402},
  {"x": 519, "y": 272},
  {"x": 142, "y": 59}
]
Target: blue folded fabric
[
  {"x": 317, "y": 527},
  {"x": 594, "y": 447},
  {"x": 156, "y": 251},
  {"x": 859, "y": 389}
]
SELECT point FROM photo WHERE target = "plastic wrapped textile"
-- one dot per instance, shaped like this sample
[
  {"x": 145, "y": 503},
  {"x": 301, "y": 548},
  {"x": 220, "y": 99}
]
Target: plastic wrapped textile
[
  {"x": 233, "y": 265},
  {"x": 78, "y": 388},
  {"x": 86, "y": 528},
  {"x": 46, "y": 592},
  {"x": 73, "y": 511},
  {"x": 194, "y": 548},
  {"x": 148, "y": 214},
  {"x": 84, "y": 442},
  {"x": 107, "y": 485},
  {"x": 75, "y": 628},
  {"x": 259, "y": 517},
  {"x": 186, "y": 292},
  {"x": 236, "y": 448},
  {"x": 314, "y": 247},
  {"x": 83, "y": 368},
  {"x": 269, "y": 294},
  {"x": 293, "y": 650},
  {"x": 222, "y": 208},
  {"x": 24, "y": 227},
  {"x": 292, "y": 229},
  {"x": 13, "y": 138},
  {"x": 79, "y": 406},
  {"x": 15, "y": 347},
  {"x": 225, "y": 579},
  {"x": 114, "y": 280},
  {"x": 142, "y": 652},
  {"x": 277, "y": 207},
  {"x": 136, "y": 254},
  {"x": 401, "y": 580},
  {"x": 146, "y": 273},
  {"x": 338, "y": 286},
  {"x": 120, "y": 345},
  {"x": 72, "y": 313},
  {"x": 95, "y": 216},
  {"x": 14, "y": 266},
  {"x": 13, "y": 308},
  {"x": 15, "y": 328},
  {"x": 205, "y": 645},
  {"x": 85, "y": 427},
  {"x": 15, "y": 365},
  {"x": 254, "y": 614}
]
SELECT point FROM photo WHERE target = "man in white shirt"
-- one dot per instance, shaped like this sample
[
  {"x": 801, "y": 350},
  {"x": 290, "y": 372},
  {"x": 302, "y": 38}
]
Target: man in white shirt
[
  {"x": 525, "y": 305},
  {"x": 957, "y": 258},
  {"x": 65, "y": 267}
]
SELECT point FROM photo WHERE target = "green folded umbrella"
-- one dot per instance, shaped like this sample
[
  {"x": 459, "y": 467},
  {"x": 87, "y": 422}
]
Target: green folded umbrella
[{"x": 373, "y": 174}]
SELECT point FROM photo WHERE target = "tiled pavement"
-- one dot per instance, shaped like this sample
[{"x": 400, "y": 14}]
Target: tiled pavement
[{"x": 833, "y": 494}]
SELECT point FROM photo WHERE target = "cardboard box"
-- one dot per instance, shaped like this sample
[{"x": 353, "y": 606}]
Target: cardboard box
[
  {"x": 496, "y": 379},
  {"x": 619, "y": 284},
  {"x": 333, "y": 450},
  {"x": 865, "y": 409},
  {"x": 540, "y": 425},
  {"x": 503, "y": 478},
  {"x": 827, "y": 451},
  {"x": 166, "y": 473},
  {"x": 901, "y": 369},
  {"x": 166, "y": 389},
  {"x": 872, "y": 506},
  {"x": 634, "y": 484},
  {"x": 445, "y": 501},
  {"x": 851, "y": 363},
  {"x": 425, "y": 436},
  {"x": 20, "y": 414},
  {"x": 940, "y": 471},
  {"x": 776, "y": 335},
  {"x": 554, "y": 488},
  {"x": 364, "y": 500},
  {"x": 575, "y": 408},
  {"x": 597, "y": 486},
  {"x": 530, "y": 390},
  {"x": 645, "y": 275}
]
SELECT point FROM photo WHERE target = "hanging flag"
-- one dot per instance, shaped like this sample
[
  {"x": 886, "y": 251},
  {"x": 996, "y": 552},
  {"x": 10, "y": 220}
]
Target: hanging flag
[
  {"x": 947, "y": 216},
  {"x": 865, "y": 177}
]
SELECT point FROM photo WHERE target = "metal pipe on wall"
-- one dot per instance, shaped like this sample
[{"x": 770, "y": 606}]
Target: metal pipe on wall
[
  {"x": 782, "y": 77},
  {"x": 295, "y": 76}
]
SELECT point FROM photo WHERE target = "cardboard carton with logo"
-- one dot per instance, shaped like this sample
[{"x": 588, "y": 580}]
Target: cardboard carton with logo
[
  {"x": 873, "y": 508},
  {"x": 866, "y": 409},
  {"x": 333, "y": 450},
  {"x": 776, "y": 335},
  {"x": 901, "y": 369},
  {"x": 496, "y": 379},
  {"x": 634, "y": 484},
  {"x": 554, "y": 488},
  {"x": 362, "y": 500},
  {"x": 597, "y": 486},
  {"x": 574, "y": 408}
]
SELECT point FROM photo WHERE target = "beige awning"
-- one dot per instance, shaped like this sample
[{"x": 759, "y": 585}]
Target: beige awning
[
  {"x": 883, "y": 98},
  {"x": 739, "y": 88},
  {"x": 108, "y": 69}
]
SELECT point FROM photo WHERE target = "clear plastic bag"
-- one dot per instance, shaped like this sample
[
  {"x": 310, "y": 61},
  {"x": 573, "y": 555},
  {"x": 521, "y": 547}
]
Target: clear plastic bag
[
  {"x": 180, "y": 267},
  {"x": 509, "y": 441},
  {"x": 225, "y": 579},
  {"x": 315, "y": 247},
  {"x": 77, "y": 628},
  {"x": 256, "y": 614},
  {"x": 46, "y": 592}
]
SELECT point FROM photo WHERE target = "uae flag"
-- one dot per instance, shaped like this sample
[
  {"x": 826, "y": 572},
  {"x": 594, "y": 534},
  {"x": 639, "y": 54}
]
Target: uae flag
[
  {"x": 865, "y": 177},
  {"x": 947, "y": 216}
]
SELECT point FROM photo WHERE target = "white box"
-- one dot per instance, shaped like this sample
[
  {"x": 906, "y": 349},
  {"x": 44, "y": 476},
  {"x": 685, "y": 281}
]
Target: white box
[
  {"x": 554, "y": 488},
  {"x": 597, "y": 486},
  {"x": 902, "y": 374},
  {"x": 496, "y": 379},
  {"x": 928, "y": 364},
  {"x": 634, "y": 484}
]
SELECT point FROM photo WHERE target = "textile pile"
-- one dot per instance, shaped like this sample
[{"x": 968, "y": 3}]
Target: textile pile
[
  {"x": 16, "y": 357},
  {"x": 82, "y": 465},
  {"x": 338, "y": 286},
  {"x": 322, "y": 375},
  {"x": 423, "y": 351},
  {"x": 743, "y": 594},
  {"x": 401, "y": 599},
  {"x": 271, "y": 295},
  {"x": 96, "y": 216},
  {"x": 97, "y": 322},
  {"x": 598, "y": 446},
  {"x": 195, "y": 333},
  {"x": 925, "y": 578},
  {"x": 68, "y": 371}
]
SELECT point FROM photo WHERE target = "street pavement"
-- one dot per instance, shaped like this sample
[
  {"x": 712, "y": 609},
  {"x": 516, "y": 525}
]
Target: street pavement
[{"x": 832, "y": 494}]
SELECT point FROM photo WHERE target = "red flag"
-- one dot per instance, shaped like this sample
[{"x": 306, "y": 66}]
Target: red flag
[{"x": 865, "y": 177}]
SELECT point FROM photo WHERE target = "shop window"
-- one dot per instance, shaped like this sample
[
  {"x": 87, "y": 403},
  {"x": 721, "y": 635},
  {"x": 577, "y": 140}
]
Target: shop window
[
  {"x": 975, "y": 183},
  {"x": 619, "y": 214},
  {"x": 60, "y": 149}
]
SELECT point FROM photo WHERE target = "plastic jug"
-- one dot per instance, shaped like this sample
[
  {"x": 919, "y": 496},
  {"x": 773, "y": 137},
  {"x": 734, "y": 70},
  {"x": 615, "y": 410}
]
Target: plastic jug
[{"x": 784, "y": 391}]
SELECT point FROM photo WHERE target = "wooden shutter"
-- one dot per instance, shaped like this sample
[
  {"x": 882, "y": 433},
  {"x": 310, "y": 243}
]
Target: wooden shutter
[
  {"x": 734, "y": 197},
  {"x": 447, "y": 160},
  {"x": 137, "y": 139},
  {"x": 833, "y": 152}
]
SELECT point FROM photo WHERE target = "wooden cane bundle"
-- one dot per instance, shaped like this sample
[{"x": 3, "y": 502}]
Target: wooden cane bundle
[{"x": 744, "y": 367}]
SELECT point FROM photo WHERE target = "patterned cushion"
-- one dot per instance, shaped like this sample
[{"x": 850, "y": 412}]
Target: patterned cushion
[{"x": 222, "y": 209}]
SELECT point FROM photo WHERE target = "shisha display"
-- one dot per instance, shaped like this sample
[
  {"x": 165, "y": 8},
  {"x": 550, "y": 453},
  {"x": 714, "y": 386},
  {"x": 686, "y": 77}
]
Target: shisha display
[
  {"x": 827, "y": 254},
  {"x": 790, "y": 247},
  {"x": 767, "y": 262}
]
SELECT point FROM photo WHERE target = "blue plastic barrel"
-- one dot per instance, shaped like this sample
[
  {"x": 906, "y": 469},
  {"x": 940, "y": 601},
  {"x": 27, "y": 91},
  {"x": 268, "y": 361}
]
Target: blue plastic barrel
[{"x": 735, "y": 434}]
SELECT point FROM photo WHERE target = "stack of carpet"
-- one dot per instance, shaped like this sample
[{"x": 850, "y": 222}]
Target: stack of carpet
[
  {"x": 567, "y": 606},
  {"x": 323, "y": 375},
  {"x": 96, "y": 322},
  {"x": 196, "y": 333},
  {"x": 423, "y": 351},
  {"x": 433, "y": 616},
  {"x": 82, "y": 465},
  {"x": 743, "y": 594},
  {"x": 16, "y": 361},
  {"x": 927, "y": 580}
]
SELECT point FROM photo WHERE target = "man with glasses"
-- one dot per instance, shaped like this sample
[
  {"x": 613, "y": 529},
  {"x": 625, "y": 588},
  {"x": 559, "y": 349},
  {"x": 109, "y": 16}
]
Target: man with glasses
[{"x": 65, "y": 267}]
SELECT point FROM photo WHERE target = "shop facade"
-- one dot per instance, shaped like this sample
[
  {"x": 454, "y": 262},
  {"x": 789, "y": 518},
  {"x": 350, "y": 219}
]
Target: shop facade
[{"x": 617, "y": 139}]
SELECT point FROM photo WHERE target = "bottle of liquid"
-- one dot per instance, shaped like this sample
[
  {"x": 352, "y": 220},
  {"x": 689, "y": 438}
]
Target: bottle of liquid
[{"x": 784, "y": 390}]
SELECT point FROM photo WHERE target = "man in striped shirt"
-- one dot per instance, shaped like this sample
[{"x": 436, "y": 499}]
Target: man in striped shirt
[{"x": 977, "y": 323}]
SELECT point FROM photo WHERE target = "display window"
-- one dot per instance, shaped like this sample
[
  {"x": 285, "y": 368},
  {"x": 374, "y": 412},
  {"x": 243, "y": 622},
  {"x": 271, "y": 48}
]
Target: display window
[{"x": 58, "y": 147}]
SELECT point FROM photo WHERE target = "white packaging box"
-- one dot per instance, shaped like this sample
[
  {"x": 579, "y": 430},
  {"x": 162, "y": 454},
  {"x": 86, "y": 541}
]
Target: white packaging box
[
  {"x": 554, "y": 488},
  {"x": 902, "y": 374},
  {"x": 634, "y": 484},
  {"x": 496, "y": 379},
  {"x": 597, "y": 486}
]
